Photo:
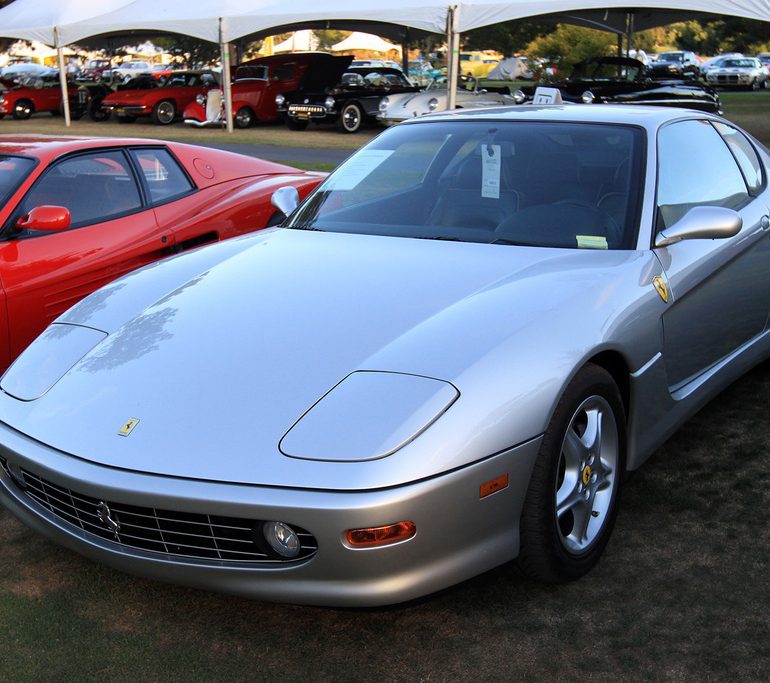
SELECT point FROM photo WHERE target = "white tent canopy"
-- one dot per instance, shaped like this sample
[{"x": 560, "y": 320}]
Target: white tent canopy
[
  {"x": 477, "y": 13},
  {"x": 298, "y": 41},
  {"x": 364, "y": 41}
]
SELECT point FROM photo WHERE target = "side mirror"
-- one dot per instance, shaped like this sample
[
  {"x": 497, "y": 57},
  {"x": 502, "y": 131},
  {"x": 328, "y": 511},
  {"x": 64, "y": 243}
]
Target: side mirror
[
  {"x": 46, "y": 218},
  {"x": 702, "y": 222},
  {"x": 285, "y": 199}
]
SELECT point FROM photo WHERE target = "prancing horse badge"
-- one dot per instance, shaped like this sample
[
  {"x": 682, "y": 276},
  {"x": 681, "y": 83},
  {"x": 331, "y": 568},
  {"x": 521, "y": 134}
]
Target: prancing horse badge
[
  {"x": 662, "y": 288},
  {"x": 128, "y": 426}
]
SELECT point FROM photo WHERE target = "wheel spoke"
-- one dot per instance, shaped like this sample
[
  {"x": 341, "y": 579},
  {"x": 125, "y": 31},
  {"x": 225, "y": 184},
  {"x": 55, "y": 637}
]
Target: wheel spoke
[
  {"x": 568, "y": 500},
  {"x": 574, "y": 449},
  {"x": 592, "y": 437}
]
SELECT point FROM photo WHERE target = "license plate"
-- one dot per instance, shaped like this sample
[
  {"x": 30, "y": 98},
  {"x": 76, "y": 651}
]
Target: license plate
[
  {"x": 120, "y": 110},
  {"x": 302, "y": 115}
]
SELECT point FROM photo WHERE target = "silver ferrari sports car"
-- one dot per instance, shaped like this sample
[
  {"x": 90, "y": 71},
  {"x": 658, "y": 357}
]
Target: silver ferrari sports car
[{"x": 445, "y": 359}]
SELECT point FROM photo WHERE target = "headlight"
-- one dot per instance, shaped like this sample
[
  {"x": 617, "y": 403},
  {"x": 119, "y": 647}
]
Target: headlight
[
  {"x": 2, "y": 99},
  {"x": 200, "y": 99},
  {"x": 280, "y": 99},
  {"x": 432, "y": 104},
  {"x": 384, "y": 102},
  {"x": 587, "y": 97},
  {"x": 329, "y": 103},
  {"x": 519, "y": 97}
]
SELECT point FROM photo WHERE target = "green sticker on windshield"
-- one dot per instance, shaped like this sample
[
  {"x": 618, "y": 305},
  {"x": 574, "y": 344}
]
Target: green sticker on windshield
[{"x": 591, "y": 242}]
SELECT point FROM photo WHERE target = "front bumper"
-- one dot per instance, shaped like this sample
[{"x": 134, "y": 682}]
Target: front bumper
[
  {"x": 131, "y": 110},
  {"x": 458, "y": 535}
]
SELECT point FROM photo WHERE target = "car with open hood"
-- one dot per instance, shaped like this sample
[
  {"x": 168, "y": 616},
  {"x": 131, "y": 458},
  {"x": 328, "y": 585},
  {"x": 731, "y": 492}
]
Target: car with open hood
[
  {"x": 345, "y": 95},
  {"x": 447, "y": 358},
  {"x": 619, "y": 80},
  {"x": 38, "y": 94},
  {"x": 255, "y": 85}
]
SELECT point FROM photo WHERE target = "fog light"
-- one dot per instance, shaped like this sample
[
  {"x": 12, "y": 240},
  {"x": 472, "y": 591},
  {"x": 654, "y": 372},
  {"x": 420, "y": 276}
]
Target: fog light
[
  {"x": 372, "y": 537},
  {"x": 281, "y": 538},
  {"x": 329, "y": 103},
  {"x": 200, "y": 99}
]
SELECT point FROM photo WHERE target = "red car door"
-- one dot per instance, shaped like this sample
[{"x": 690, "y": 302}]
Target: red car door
[{"x": 113, "y": 231}]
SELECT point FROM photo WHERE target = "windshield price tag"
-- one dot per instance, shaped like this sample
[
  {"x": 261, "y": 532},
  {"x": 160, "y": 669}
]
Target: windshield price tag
[{"x": 490, "y": 171}]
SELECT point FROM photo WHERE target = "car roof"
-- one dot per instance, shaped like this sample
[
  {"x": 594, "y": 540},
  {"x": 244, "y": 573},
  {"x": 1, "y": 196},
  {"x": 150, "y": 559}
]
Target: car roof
[
  {"x": 649, "y": 117},
  {"x": 51, "y": 146}
]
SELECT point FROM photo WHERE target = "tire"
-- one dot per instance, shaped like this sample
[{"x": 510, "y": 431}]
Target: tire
[
  {"x": 164, "y": 113},
  {"x": 351, "y": 118},
  {"x": 126, "y": 119},
  {"x": 244, "y": 118},
  {"x": 2, "y": 116},
  {"x": 22, "y": 110},
  {"x": 571, "y": 476},
  {"x": 293, "y": 124},
  {"x": 95, "y": 111}
]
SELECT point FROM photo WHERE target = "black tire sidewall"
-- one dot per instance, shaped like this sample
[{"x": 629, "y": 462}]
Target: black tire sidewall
[
  {"x": 341, "y": 120},
  {"x": 250, "y": 119},
  {"x": 20, "y": 116},
  {"x": 542, "y": 553}
]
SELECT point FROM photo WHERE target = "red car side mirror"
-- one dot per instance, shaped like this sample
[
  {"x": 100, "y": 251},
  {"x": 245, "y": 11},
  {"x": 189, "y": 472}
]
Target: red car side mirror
[{"x": 47, "y": 218}]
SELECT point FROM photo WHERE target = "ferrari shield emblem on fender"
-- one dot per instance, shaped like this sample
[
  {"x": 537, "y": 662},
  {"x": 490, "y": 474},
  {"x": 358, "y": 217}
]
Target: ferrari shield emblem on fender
[
  {"x": 662, "y": 288},
  {"x": 128, "y": 426}
]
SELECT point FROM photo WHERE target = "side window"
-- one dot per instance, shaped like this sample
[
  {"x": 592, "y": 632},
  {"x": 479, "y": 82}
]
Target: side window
[
  {"x": 744, "y": 154},
  {"x": 94, "y": 187},
  {"x": 283, "y": 73},
  {"x": 164, "y": 177},
  {"x": 695, "y": 168}
]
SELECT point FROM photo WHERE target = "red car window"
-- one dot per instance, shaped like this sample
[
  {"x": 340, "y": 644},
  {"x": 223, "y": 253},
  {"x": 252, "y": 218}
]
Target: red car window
[
  {"x": 162, "y": 174},
  {"x": 13, "y": 171},
  {"x": 94, "y": 187}
]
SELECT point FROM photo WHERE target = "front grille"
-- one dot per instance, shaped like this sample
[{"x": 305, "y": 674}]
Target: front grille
[
  {"x": 306, "y": 109},
  {"x": 721, "y": 78},
  {"x": 180, "y": 534}
]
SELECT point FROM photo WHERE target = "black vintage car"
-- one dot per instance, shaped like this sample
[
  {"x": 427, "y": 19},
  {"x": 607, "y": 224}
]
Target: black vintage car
[
  {"x": 341, "y": 94},
  {"x": 626, "y": 81},
  {"x": 676, "y": 64}
]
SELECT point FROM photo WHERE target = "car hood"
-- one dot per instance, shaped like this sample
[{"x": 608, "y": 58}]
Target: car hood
[
  {"x": 219, "y": 353},
  {"x": 130, "y": 96}
]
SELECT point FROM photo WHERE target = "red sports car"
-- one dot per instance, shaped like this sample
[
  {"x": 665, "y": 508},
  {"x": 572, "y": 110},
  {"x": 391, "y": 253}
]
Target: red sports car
[
  {"x": 164, "y": 100},
  {"x": 78, "y": 212},
  {"x": 37, "y": 94}
]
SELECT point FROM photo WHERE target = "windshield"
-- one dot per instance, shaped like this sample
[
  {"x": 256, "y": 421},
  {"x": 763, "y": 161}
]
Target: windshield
[
  {"x": 504, "y": 182},
  {"x": 671, "y": 57},
  {"x": 13, "y": 171},
  {"x": 738, "y": 63}
]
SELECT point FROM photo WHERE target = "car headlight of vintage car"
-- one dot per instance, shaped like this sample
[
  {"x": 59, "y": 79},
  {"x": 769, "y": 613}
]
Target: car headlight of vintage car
[
  {"x": 329, "y": 103},
  {"x": 368, "y": 415},
  {"x": 432, "y": 104},
  {"x": 519, "y": 97},
  {"x": 201, "y": 99},
  {"x": 384, "y": 102},
  {"x": 2, "y": 99},
  {"x": 587, "y": 97},
  {"x": 280, "y": 100}
]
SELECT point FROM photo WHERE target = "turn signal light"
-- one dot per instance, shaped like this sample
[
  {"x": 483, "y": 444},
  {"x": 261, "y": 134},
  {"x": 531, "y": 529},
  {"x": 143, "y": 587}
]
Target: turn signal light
[
  {"x": 375, "y": 536},
  {"x": 493, "y": 486}
]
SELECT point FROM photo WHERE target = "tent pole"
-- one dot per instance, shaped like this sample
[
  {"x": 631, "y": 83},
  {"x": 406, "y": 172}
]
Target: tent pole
[
  {"x": 405, "y": 54},
  {"x": 65, "y": 95},
  {"x": 453, "y": 55},
  {"x": 224, "y": 49}
]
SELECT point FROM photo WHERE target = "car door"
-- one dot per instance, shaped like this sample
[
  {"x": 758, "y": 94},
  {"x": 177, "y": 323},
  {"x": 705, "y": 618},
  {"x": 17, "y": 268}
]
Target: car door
[
  {"x": 113, "y": 231},
  {"x": 721, "y": 287}
]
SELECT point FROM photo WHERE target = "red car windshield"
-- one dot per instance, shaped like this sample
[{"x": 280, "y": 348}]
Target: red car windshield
[{"x": 13, "y": 171}]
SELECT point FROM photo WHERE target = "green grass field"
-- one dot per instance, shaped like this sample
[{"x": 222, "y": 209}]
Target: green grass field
[{"x": 682, "y": 593}]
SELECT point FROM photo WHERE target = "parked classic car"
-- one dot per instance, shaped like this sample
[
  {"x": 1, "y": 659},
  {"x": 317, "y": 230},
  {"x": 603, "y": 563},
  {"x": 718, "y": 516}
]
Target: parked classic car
[
  {"x": 41, "y": 93},
  {"x": 619, "y": 80},
  {"x": 477, "y": 64},
  {"x": 164, "y": 100},
  {"x": 741, "y": 72},
  {"x": 345, "y": 95},
  {"x": 396, "y": 108},
  {"x": 128, "y": 69},
  {"x": 77, "y": 213},
  {"x": 676, "y": 64},
  {"x": 444, "y": 361},
  {"x": 255, "y": 86}
]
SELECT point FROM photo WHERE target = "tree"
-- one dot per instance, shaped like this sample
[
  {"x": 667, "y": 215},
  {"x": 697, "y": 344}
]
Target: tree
[
  {"x": 573, "y": 44},
  {"x": 191, "y": 51},
  {"x": 510, "y": 37}
]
